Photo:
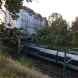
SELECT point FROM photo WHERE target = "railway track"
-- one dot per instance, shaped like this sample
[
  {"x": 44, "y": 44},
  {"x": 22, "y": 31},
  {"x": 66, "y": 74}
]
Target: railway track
[
  {"x": 48, "y": 72},
  {"x": 52, "y": 69}
]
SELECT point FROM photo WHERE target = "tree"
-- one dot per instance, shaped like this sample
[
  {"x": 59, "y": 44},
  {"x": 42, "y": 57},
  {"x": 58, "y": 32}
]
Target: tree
[
  {"x": 43, "y": 32},
  {"x": 61, "y": 28},
  {"x": 75, "y": 25},
  {"x": 12, "y": 6},
  {"x": 46, "y": 23},
  {"x": 58, "y": 26},
  {"x": 53, "y": 17},
  {"x": 74, "y": 32},
  {"x": 74, "y": 42},
  {"x": 60, "y": 40}
]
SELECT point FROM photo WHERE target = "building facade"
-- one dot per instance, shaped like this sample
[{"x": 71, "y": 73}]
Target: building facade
[{"x": 28, "y": 20}]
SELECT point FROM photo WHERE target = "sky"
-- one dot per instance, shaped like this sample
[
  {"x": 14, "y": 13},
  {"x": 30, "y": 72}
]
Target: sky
[{"x": 67, "y": 8}]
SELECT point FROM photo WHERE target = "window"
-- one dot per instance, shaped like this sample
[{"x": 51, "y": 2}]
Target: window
[
  {"x": 22, "y": 20},
  {"x": 61, "y": 59},
  {"x": 41, "y": 53},
  {"x": 51, "y": 56},
  {"x": 47, "y": 55},
  {"x": 29, "y": 49},
  {"x": 34, "y": 50},
  {"x": 75, "y": 63},
  {"x": 38, "y": 53}
]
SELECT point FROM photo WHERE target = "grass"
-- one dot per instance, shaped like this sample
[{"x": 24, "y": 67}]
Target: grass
[
  {"x": 26, "y": 62},
  {"x": 9, "y": 68}
]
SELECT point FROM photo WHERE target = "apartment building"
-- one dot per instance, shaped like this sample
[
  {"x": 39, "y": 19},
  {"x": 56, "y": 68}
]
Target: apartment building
[{"x": 28, "y": 20}]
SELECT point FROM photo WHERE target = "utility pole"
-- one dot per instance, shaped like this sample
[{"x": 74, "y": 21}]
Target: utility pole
[
  {"x": 67, "y": 63},
  {"x": 64, "y": 69}
]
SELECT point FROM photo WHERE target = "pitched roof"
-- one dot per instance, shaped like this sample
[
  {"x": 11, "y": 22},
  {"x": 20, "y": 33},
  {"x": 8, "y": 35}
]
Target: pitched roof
[{"x": 36, "y": 15}]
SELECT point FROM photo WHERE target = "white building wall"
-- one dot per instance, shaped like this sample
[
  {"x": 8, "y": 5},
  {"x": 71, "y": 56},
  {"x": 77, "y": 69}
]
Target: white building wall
[
  {"x": 8, "y": 20},
  {"x": 26, "y": 21},
  {"x": 17, "y": 25}
]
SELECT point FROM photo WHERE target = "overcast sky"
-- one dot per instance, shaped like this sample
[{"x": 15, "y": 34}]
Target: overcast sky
[{"x": 67, "y": 8}]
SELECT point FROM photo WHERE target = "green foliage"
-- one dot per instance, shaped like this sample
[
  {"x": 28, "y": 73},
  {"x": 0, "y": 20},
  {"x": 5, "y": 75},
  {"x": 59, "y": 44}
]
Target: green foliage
[
  {"x": 49, "y": 40},
  {"x": 60, "y": 40},
  {"x": 46, "y": 23},
  {"x": 12, "y": 6},
  {"x": 3, "y": 61},
  {"x": 43, "y": 32},
  {"x": 75, "y": 25},
  {"x": 2, "y": 51},
  {"x": 9, "y": 24},
  {"x": 57, "y": 34},
  {"x": 54, "y": 17},
  {"x": 9, "y": 34},
  {"x": 74, "y": 41}
]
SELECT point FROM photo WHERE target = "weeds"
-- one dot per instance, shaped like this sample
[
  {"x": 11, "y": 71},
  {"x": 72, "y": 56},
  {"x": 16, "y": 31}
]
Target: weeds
[
  {"x": 26, "y": 62},
  {"x": 23, "y": 68}
]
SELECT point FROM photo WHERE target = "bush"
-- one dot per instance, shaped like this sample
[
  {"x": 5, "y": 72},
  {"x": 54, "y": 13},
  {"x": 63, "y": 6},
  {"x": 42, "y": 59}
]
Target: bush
[
  {"x": 60, "y": 41},
  {"x": 74, "y": 42}
]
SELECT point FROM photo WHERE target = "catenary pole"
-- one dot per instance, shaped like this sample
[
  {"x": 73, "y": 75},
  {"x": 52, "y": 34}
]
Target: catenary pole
[{"x": 64, "y": 68}]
